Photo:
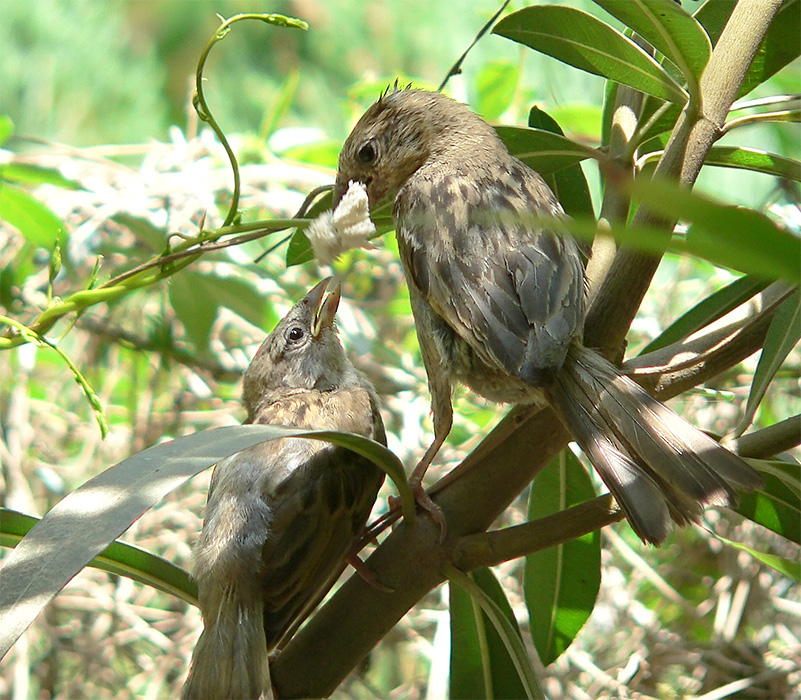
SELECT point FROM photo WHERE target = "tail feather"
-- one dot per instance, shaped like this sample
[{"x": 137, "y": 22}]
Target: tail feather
[
  {"x": 230, "y": 659},
  {"x": 657, "y": 465}
]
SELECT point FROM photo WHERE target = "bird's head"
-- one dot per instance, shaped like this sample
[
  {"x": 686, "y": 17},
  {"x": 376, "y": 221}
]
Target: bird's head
[
  {"x": 302, "y": 352},
  {"x": 402, "y": 131}
]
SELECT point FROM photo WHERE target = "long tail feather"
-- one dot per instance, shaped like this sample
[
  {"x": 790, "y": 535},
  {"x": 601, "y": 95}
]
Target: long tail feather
[
  {"x": 230, "y": 658},
  {"x": 657, "y": 465}
]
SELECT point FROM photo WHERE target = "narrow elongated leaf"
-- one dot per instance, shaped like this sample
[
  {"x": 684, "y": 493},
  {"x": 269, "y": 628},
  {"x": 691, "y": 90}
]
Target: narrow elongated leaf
[
  {"x": 561, "y": 583},
  {"x": 35, "y": 221},
  {"x": 505, "y": 626},
  {"x": 543, "y": 150},
  {"x": 777, "y": 506},
  {"x": 786, "y": 567},
  {"x": 756, "y": 160},
  {"x": 783, "y": 335},
  {"x": 568, "y": 184},
  {"x": 193, "y": 301},
  {"x": 496, "y": 83},
  {"x": 480, "y": 663},
  {"x": 735, "y": 237},
  {"x": 669, "y": 29},
  {"x": 85, "y": 522},
  {"x": 6, "y": 128},
  {"x": 708, "y": 311},
  {"x": 36, "y": 175},
  {"x": 585, "y": 42},
  {"x": 118, "y": 558}
]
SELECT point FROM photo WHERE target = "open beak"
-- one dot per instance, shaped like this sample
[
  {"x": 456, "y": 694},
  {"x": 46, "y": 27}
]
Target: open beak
[{"x": 324, "y": 306}]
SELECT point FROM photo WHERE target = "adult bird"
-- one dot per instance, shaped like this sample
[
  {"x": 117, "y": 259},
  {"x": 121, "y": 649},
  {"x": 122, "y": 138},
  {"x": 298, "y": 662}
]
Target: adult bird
[
  {"x": 283, "y": 516},
  {"x": 499, "y": 305}
]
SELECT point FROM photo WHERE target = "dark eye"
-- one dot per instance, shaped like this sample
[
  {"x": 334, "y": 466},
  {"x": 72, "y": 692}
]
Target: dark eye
[
  {"x": 366, "y": 154},
  {"x": 294, "y": 334}
]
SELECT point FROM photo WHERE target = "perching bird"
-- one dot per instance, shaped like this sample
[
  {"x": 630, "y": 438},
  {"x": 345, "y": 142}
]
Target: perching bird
[
  {"x": 499, "y": 305},
  {"x": 283, "y": 516}
]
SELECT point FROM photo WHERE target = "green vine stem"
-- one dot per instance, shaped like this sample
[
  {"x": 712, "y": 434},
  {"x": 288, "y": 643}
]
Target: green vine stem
[
  {"x": 31, "y": 336},
  {"x": 199, "y": 99}
]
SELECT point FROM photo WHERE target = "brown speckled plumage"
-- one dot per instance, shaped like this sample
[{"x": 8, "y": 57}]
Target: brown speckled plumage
[
  {"x": 282, "y": 516},
  {"x": 499, "y": 305}
]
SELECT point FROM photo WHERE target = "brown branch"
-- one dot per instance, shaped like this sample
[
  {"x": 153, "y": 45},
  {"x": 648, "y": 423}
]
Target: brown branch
[{"x": 768, "y": 442}]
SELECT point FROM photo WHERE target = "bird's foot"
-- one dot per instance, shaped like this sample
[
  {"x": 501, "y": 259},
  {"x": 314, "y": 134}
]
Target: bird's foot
[{"x": 366, "y": 573}]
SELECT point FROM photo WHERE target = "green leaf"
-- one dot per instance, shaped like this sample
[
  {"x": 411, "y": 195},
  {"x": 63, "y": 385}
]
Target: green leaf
[
  {"x": 243, "y": 299},
  {"x": 786, "y": 567},
  {"x": 118, "y": 558},
  {"x": 777, "y": 506},
  {"x": 561, "y": 583},
  {"x": 36, "y": 222},
  {"x": 36, "y": 175},
  {"x": 486, "y": 592},
  {"x": 496, "y": 83},
  {"x": 543, "y": 150},
  {"x": 756, "y": 160},
  {"x": 726, "y": 235},
  {"x": 6, "y": 128},
  {"x": 299, "y": 250},
  {"x": 154, "y": 238},
  {"x": 192, "y": 298},
  {"x": 568, "y": 184},
  {"x": 783, "y": 335},
  {"x": 708, "y": 311},
  {"x": 480, "y": 663},
  {"x": 781, "y": 46},
  {"x": 196, "y": 298},
  {"x": 581, "y": 40},
  {"x": 669, "y": 29},
  {"x": 85, "y": 522}
]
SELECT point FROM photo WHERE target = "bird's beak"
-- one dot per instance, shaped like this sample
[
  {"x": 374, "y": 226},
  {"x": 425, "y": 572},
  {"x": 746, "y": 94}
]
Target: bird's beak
[
  {"x": 324, "y": 307},
  {"x": 339, "y": 190}
]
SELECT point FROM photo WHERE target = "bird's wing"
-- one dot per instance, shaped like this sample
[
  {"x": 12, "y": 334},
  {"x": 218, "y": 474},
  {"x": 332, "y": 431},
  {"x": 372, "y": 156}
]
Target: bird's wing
[
  {"x": 315, "y": 522},
  {"x": 513, "y": 291}
]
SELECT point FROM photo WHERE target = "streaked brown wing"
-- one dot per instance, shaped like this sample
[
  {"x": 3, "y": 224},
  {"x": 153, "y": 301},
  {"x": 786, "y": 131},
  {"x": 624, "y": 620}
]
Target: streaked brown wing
[{"x": 512, "y": 291}]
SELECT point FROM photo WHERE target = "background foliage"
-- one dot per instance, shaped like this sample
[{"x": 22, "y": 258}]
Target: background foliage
[{"x": 163, "y": 362}]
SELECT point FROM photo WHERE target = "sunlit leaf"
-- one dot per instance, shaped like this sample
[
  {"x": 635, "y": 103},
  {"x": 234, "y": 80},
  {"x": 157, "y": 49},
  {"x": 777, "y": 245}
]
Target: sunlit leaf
[
  {"x": 581, "y": 40},
  {"x": 35, "y": 221},
  {"x": 118, "y": 558},
  {"x": 29, "y": 174},
  {"x": 496, "y": 83},
  {"x": 668, "y": 28},
  {"x": 756, "y": 160},
  {"x": 85, "y": 522},
  {"x": 786, "y": 567},
  {"x": 6, "y": 128},
  {"x": 707, "y": 311}
]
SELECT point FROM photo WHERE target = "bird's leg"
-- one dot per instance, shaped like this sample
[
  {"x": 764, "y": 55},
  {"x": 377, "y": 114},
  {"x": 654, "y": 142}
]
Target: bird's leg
[{"x": 442, "y": 408}]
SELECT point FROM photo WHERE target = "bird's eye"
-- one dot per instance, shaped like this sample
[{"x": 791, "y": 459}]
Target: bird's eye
[
  {"x": 366, "y": 154},
  {"x": 294, "y": 334}
]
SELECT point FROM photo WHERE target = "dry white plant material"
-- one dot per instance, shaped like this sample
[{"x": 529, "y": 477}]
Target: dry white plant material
[{"x": 348, "y": 226}]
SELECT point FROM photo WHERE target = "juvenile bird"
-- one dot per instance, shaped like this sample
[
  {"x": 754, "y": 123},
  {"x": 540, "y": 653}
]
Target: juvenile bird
[
  {"x": 282, "y": 516},
  {"x": 499, "y": 305}
]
